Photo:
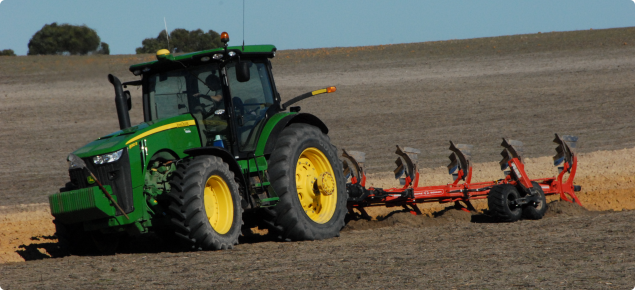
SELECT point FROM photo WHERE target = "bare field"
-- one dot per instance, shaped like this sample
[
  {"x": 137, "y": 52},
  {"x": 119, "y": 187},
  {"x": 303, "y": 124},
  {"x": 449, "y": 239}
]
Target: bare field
[
  {"x": 417, "y": 95},
  {"x": 384, "y": 98}
]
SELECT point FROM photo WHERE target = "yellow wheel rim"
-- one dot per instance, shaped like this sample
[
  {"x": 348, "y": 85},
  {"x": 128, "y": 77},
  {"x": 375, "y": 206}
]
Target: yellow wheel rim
[
  {"x": 316, "y": 186},
  {"x": 219, "y": 206}
]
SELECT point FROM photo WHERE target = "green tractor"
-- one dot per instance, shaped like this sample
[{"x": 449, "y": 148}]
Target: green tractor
[{"x": 217, "y": 153}]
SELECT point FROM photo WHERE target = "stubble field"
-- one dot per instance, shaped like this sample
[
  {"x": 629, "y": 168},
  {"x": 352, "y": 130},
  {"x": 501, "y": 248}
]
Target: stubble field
[{"x": 418, "y": 95}]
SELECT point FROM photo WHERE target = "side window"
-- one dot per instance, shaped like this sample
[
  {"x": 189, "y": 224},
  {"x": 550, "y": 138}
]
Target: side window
[
  {"x": 251, "y": 100},
  {"x": 168, "y": 96}
]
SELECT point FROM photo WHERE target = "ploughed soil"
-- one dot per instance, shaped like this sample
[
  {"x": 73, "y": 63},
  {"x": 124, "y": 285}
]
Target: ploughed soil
[
  {"x": 523, "y": 87},
  {"x": 570, "y": 248}
]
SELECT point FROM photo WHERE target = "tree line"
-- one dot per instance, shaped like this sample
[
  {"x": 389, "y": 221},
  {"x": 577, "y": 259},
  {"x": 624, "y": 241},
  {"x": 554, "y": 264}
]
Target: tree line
[{"x": 67, "y": 39}]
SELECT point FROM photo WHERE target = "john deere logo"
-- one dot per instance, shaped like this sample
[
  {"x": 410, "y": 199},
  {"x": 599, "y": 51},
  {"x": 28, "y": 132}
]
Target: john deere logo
[{"x": 90, "y": 180}]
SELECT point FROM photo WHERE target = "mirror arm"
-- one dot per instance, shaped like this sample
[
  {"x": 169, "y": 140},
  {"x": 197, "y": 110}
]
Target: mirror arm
[{"x": 304, "y": 96}]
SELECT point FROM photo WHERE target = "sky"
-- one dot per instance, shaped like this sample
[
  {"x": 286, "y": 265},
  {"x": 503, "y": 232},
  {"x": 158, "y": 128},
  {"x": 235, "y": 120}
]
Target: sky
[{"x": 295, "y": 24}]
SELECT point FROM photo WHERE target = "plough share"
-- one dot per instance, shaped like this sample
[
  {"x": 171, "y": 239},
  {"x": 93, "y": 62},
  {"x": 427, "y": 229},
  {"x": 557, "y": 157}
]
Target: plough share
[{"x": 509, "y": 199}]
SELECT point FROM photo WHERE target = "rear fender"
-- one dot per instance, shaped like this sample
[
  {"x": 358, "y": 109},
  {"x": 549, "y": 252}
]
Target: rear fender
[{"x": 285, "y": 122}]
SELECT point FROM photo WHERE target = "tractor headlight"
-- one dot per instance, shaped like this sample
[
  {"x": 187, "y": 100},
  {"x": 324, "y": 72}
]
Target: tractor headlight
[{"x": 108, "y": 158}]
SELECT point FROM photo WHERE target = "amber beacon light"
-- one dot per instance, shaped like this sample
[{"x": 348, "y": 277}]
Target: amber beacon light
[{"x": 224, "y": 37}]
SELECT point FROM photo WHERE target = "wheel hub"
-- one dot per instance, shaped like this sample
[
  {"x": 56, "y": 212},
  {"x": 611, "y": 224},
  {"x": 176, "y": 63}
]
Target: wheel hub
[
  {"x": 218, "y": 204},
  {"x": 326, "y": 183},
  {"x": 316, "y": 186}
]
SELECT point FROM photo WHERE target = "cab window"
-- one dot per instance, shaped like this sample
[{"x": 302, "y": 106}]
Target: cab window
[{"x": 251, "y": 100}]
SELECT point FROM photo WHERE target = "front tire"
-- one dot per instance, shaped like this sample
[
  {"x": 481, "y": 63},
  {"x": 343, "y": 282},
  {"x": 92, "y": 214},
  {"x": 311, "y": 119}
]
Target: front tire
[
  {"x": 308, "y": 177},
  {"x": 205, "y": 205},
  {"x": 72, "y": 239}
]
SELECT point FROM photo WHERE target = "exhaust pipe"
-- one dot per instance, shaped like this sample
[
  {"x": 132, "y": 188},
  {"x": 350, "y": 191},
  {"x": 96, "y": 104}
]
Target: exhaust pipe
[{"x": 120, "y": 102}]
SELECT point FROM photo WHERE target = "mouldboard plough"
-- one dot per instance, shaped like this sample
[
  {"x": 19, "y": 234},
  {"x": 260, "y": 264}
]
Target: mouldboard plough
[{"x": 509, "y": 199}]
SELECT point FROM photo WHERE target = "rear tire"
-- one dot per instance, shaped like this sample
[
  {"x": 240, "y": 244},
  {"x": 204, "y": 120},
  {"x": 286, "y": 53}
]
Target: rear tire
[
  {"x": 499, "y": 202},
  {"x": 536, "y": 212},
  {"x": 205, "y": 204},
  {"x": 308, "y": 177}
]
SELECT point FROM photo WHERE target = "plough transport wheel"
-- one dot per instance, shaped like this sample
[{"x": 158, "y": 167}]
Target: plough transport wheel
[
  {"x": 536, "y": 212},
  {"x": 502, "y": 202}
]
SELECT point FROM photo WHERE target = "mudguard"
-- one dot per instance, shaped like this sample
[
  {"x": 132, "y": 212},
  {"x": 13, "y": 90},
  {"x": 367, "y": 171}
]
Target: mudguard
[{"x": 272, "y": 136}]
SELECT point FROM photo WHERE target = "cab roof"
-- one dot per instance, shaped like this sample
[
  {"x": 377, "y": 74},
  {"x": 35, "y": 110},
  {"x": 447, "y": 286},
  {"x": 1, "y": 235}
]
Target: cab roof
[{"x": 266, "y": 50}]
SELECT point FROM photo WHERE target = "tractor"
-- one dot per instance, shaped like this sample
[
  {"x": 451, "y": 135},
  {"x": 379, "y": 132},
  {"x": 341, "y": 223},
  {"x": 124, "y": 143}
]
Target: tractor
[{"x": 217, "y": 153}]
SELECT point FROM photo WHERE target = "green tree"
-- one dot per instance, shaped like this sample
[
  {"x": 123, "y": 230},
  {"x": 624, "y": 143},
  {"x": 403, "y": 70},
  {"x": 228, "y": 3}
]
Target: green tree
[
  {"x": 7, "y": 52},
  {"x": 65, "y": 38},
  {"x": 182, "y": 40},
  {"x": 103, "y": 48}
]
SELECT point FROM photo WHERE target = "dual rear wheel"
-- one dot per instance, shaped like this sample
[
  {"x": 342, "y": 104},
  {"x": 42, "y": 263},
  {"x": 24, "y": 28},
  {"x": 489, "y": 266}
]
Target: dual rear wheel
[{"x": 503, "y": 203}]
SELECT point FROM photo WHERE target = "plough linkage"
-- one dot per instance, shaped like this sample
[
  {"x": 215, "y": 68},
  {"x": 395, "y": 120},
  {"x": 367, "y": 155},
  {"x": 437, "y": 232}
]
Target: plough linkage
[{"x": 508, "y": 198}]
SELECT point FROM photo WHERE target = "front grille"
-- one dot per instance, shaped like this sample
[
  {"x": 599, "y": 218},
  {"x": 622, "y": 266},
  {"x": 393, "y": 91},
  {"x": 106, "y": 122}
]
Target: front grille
[{"x": 116, "y": 174}]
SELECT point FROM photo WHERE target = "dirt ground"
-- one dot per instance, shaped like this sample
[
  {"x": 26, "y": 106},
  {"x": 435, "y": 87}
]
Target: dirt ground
[
  {"x": 571, "y": 248},
  {"x": 417, "y": 95}
]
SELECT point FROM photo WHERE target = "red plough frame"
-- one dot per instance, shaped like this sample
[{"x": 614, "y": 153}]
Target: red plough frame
[{"x": 462, "y": 190}]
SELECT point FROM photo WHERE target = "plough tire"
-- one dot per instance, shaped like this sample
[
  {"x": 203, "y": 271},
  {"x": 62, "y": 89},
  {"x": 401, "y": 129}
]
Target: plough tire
[
  {"x": 499, "y": 199},
  {"x": 205, "y": 204},
  {"x": 537, "y": 212},
  {"x": 307, "y": 210}
]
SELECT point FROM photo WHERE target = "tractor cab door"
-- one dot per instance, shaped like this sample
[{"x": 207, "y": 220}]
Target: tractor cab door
[
  {"x": 250, "y": 101},
  {"x": 197, "y": 91}
]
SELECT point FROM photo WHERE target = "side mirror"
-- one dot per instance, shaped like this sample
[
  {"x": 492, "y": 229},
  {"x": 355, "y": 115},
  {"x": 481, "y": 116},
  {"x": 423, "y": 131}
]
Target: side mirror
[
  {"x": 126, "y": 95},
  {"x": 242, "y": 71}
]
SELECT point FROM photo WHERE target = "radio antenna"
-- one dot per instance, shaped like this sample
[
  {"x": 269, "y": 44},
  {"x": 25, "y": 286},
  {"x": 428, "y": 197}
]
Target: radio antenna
[
  {"x": 244, "y": 25},
  {"x": 167, "y": 35}
]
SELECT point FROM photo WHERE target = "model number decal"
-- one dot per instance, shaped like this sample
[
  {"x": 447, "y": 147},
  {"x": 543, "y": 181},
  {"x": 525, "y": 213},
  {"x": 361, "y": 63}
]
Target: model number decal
[{"x": 429, "y": 192}]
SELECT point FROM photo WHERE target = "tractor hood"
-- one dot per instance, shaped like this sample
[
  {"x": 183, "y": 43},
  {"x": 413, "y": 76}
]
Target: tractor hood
[{"x": 122, "y": 138}]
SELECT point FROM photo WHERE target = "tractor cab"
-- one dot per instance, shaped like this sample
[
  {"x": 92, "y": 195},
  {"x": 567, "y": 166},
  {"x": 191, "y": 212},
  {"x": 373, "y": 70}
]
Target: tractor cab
[
  {"x": 228, "y": 91},
  {"x": 227, "y": 111}
]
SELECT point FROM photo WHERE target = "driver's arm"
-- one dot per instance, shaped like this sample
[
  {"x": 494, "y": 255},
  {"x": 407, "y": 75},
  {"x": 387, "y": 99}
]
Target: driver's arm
[{"x": 216, "y": 98}]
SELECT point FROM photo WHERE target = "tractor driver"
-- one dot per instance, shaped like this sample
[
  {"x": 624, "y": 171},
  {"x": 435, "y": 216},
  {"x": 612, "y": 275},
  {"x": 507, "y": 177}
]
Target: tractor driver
[
  {"x": 215, "y": 92},
  {"x": 212, "y": 124}
]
